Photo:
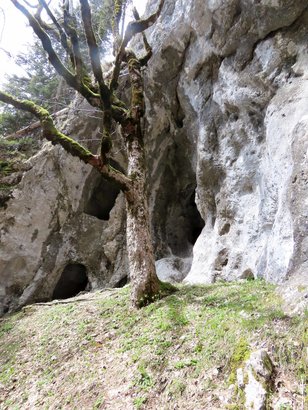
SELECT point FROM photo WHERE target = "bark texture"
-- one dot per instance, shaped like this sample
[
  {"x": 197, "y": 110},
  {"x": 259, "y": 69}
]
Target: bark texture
[{"x": 145, "y": 284}]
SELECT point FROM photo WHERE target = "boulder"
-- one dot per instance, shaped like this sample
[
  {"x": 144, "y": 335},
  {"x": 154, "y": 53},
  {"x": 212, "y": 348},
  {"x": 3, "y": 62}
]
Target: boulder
[{"x": 254, "y": 379}]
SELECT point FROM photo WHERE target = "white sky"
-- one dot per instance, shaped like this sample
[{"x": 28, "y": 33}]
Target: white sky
[{"x": 15, "y": 34}]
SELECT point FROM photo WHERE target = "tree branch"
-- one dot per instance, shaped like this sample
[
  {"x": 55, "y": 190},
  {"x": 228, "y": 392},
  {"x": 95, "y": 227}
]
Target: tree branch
[
  {"x": 62, "y": 35},
  {"x": 106, "y": 143},
  {"x": 76, "y": 56},
  {"x": 91, "y": 41},
  {"x": 149, "y": 52},
  {"x": 51, "y": 133},
  {"x": 132, "y": 29},
  {"x": 43, "y": 36},
  {"x": 69, "y": 77}
]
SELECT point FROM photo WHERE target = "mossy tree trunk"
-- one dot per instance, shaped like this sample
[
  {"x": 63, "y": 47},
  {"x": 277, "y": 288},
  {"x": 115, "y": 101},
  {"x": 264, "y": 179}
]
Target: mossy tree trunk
[
  {"x": 102, "y": 94},
  {"x": 144, "y": 282}
]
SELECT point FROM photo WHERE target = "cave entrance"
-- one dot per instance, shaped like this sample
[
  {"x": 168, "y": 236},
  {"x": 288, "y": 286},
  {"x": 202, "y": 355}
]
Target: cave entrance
[
  {"x": 183, "y": 222},
  {"x": 73, "y": 280},
  {"x": 102, "y": 197}
]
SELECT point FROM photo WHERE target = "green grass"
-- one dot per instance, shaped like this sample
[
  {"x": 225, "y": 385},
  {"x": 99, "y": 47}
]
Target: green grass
[
  {"x": 5, "y": 328},
  {"x": 179, "y": 338}
]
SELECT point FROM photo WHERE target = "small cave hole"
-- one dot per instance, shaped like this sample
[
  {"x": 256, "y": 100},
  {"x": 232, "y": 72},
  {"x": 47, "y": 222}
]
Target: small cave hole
[
  {"x": 247, "y": 274},
  {"x": 225, "y": 262},
  {"x": 184, "y": 223},
  {"x": 225, "y": 229},
  {"x": 179, "y": 122},
  {"x": 73, "y": 280},
  {"x": 101, "y": 198}
]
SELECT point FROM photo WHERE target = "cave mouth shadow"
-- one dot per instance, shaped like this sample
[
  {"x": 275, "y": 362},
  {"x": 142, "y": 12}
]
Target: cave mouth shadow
[
  {"x": 102, "y": 199},
  {"x": 74, "y": 279},
  {"x": 183, "y": 223},
  {"x": 101, "y": 194}
]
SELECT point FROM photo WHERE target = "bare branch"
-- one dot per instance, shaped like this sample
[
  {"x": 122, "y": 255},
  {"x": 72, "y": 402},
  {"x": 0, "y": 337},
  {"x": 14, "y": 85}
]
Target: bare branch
[
  {"x": 133, "y": 28},
  {"x": 141, "y": 25},
  {"x": 43, "y": 36},
  {"x": 91, "y": 41},
  {"x": 106, "y": 143},
  {"x": 33, "y": 6},
  {"x": 144, "y": 60},
  {"x": 76, "y": 57},
  {"x": 62, "y": 34},
  {"x": 110, "y": 173},
  {"x": 69, "y": 77}
]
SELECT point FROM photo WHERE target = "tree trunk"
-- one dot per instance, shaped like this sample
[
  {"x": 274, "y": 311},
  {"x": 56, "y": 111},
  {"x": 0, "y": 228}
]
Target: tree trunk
[{"x": 144, "y": 282}]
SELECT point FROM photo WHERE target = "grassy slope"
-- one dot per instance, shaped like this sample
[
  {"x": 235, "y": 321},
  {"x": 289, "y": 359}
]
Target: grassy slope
[{"x": 179, "y": 353}]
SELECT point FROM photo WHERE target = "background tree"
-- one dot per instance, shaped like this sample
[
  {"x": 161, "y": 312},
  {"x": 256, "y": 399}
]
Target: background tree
[
  {"x": 102, "y": 93},
  {"x": 40, "y": 81}
]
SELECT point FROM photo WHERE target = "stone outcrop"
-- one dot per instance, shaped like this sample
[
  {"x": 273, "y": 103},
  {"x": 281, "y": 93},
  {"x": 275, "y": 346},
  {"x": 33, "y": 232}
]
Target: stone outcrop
[
  {"x": 255, "y": 380},
  {"x": 226, "y": 138}
]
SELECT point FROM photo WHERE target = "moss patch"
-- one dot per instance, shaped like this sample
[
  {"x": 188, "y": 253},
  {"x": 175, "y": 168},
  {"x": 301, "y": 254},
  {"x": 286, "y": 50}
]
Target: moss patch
[{"x": 240, "y": 355}]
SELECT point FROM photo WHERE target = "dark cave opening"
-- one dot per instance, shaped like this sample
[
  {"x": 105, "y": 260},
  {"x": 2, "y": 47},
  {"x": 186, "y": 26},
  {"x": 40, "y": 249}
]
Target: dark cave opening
[
  {"x": 102, "y": 199},
  {"x": 100, "y": 195},
  {"x": 73, "y": 280},
  {"x": 183, "y": 223}
]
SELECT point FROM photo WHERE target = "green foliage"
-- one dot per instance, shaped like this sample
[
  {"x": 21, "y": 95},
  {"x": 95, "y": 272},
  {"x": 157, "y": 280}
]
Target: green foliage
[
  {"x": 11, "y": 120},
  {"x": 102, "y": 13},
  {"x": 99, "y": 403},
  {"x": 21, "y": 145},
  {"x": 39, "y": 83},
  {"x": 241, "y": 353},
  {"x": 5, "y": 328},
  {"x": 5, "y": 167},
  {"x": 143, "y": 380},
  {"x": 177, "y": 387}
]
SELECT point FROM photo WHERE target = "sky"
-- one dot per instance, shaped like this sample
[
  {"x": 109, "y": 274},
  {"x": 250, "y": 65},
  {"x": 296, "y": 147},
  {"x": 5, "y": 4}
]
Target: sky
[{"x": 14, "y": 35}]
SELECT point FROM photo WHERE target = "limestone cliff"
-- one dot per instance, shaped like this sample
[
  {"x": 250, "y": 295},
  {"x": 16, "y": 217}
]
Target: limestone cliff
[
  {"x": 227, "y": 117},
  {"x": 229, "y": 85}
]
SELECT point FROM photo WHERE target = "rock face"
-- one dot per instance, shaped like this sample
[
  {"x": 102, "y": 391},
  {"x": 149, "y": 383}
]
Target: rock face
[
  {"x": 226, "y": 138},
  {"x": 60, "y": 221},
  {"x": 229, "y": 81}
]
